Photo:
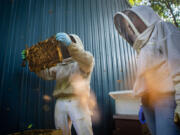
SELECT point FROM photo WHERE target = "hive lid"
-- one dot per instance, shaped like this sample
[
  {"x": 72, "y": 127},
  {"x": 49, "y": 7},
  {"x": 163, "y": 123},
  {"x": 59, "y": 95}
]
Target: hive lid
[{"x": 121, "y": 94}]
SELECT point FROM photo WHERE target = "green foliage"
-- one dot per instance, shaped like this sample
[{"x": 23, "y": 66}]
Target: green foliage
[
  {"x": 169, "y": 10},
  {"x": 135, "y": 2},
  {"x": 29, "y": 126}
]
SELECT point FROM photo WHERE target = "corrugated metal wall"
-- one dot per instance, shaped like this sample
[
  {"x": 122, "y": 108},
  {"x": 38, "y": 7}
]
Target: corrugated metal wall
[{"x": 29, "y": 21}]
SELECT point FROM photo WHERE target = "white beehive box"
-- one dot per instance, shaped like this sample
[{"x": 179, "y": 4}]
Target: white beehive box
[{"x": 125, "y": 102}]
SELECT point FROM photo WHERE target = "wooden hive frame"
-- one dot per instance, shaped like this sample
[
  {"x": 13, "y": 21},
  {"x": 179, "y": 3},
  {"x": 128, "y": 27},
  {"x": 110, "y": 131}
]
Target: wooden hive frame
[{"x": 46, "y": 54}]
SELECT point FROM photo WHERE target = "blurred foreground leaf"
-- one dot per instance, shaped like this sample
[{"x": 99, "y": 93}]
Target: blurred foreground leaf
[{"x": 29, "y": 126}]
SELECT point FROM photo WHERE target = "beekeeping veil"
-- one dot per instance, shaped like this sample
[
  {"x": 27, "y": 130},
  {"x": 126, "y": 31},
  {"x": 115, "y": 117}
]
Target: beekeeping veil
[
  {"x": 133, "y": 22},
  {"x": 76, "y": 41}
]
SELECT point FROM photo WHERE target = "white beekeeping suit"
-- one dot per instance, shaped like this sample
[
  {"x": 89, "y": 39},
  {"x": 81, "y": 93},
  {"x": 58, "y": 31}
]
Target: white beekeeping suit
[
  {"x": 72, "y": 86},
  {"x": 158, "y": 49},
  {"x": 157, "y": 44}
]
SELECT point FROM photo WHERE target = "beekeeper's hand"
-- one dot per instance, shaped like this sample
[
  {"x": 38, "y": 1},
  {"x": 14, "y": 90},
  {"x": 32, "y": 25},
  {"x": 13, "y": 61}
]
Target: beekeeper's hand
[
  {"x": 23, "y": 54},
  {"x": 177, "y": 112},
  {"x": 64, "y": 38}
]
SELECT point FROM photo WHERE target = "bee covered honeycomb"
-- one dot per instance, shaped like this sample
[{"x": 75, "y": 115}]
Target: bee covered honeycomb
[{"x": 46, "y": 54}]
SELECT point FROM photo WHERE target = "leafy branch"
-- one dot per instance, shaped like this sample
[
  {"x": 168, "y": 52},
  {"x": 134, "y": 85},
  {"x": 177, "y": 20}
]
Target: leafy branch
[{"x": 167, "y": 9}]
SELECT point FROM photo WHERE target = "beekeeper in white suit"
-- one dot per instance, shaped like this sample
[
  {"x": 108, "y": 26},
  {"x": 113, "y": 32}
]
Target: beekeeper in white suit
[
  {"x": 157, "y": 44},
  {"x": 72, "y": 86}
]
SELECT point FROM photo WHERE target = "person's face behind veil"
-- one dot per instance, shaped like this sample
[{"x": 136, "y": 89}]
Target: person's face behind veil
[{"x": 125, "y": 29}]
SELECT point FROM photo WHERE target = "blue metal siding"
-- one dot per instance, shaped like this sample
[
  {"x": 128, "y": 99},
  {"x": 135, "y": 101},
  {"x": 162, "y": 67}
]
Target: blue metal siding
[{"x": 29, "y": 21}]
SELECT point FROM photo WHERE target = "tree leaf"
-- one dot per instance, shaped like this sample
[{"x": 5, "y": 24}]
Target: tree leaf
[
  {"x": 131, "y": 2},
  {"x": 29, "y": 126}
]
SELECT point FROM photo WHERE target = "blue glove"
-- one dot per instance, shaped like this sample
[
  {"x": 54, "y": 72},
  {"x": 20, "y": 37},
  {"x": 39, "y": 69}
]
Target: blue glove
[
  {"x": 23, "y": 54},
  {"x": 141, "y": 116},
  {"x": 64, "y": 38}
]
